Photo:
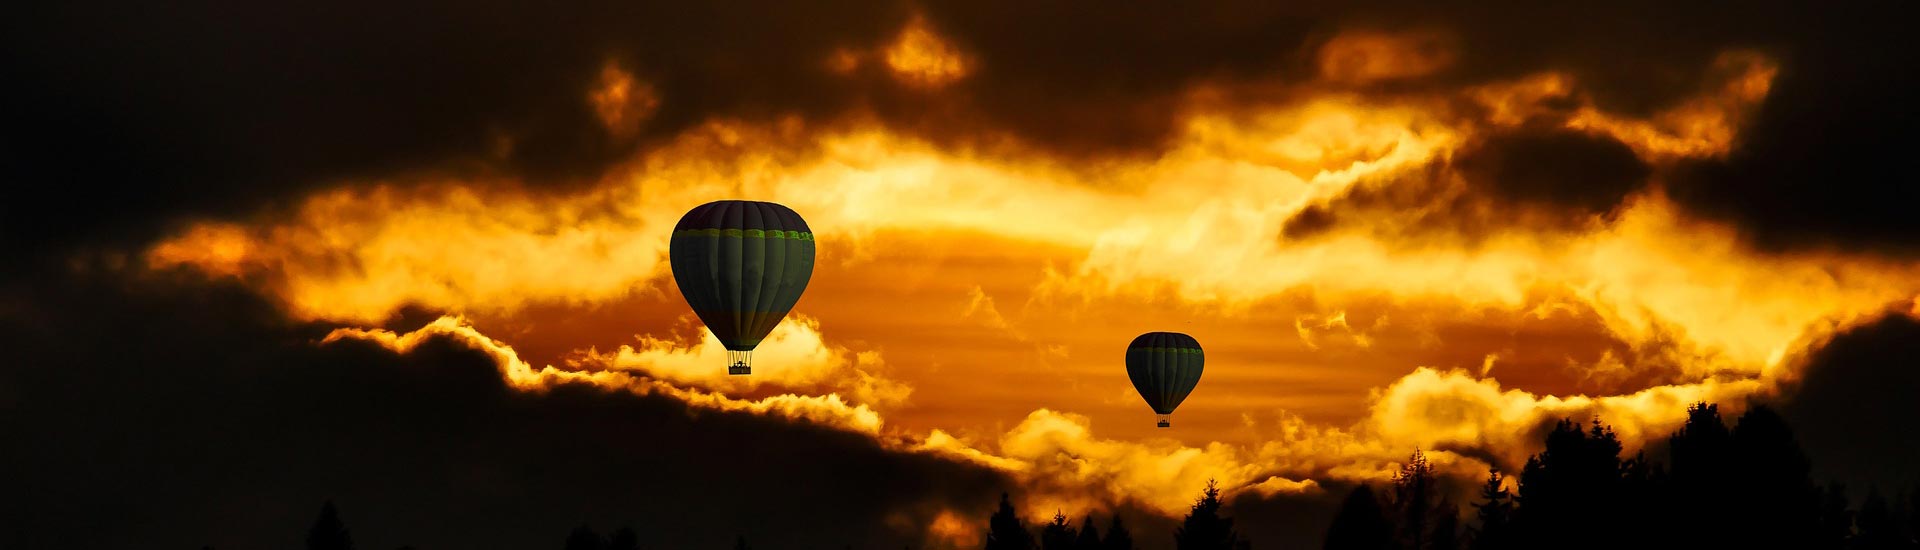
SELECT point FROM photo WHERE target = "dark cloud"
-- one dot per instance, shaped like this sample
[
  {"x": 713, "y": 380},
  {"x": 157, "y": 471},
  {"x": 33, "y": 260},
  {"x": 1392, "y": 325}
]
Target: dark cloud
[
  {"x": 1536, "y": 178},
  {"x": 1854, "y": 410},
  {"x": 1825, "y": 161},
  {"x": 155, "y": 414},
  {"x": 118, "y": 117},
  {"x": 1582, "y": 172}
]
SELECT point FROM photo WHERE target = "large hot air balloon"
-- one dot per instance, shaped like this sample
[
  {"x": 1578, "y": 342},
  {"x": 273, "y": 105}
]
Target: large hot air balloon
[
  {"x": 741, "y": 265},
  {"x": 1164, "y": 366}
]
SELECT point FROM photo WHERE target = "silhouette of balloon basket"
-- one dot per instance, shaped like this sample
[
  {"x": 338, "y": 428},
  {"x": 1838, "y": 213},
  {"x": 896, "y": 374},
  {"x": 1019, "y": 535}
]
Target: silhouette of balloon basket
[
  {"x": 1165, "y": 420},
  {"x": 739, "y": 362}
]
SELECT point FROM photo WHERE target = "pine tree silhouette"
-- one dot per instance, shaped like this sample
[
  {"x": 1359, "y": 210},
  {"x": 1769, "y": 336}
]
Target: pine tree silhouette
[
  {"x": 1913, "y": 517},
  {"x": 1413, "y": 489},
  {"x": 1005, "y": 531},
  {"x": 1775, "y": 501},
  {"x": 1446, "y": 527},
  {"x": 624, "y": 539},
  {"x": 1836, "y": 521},
  {"x": 328, "y": 532},
  {"x": 1360, "y": 524},
  {"x": 1089, "y": 538},
  {"x": 1495, "y": 511},
  {"x": 1118, "y": 538},
  {"x": 1204, "y": 528},
  {"x": 1748, "y": 486},
  {"x": 584, "y": 538},
  {"x": 1572, "y": 485},
  {"x": 1057, "y": 534},
  {"x": 1877, "y": 529}
]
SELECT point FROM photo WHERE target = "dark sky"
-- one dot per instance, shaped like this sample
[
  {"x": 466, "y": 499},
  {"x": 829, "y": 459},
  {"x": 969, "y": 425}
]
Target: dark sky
[{"x": 160, "y": 409}]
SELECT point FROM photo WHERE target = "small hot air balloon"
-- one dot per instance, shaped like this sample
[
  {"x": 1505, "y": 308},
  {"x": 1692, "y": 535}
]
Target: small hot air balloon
[
  {"x": 741, "y": 265},
  {"x": 1164, "y": 367}
]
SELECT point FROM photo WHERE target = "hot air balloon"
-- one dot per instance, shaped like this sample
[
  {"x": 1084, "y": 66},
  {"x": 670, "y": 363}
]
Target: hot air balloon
[
  {"x": 741, "y": 265},
  {"x": 1164, "y": 367}
]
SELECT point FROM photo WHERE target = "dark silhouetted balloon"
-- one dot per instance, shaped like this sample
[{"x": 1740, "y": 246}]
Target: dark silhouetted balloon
[
  {"x": 741, "y": 265},
  {"x": 1164, "y": 367}
]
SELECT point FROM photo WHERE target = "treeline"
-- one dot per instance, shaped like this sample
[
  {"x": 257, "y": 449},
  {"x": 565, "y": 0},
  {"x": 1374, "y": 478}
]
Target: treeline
[
  {"x": 1203, "y": 529},
  {"x": 1745, "y": 486}
]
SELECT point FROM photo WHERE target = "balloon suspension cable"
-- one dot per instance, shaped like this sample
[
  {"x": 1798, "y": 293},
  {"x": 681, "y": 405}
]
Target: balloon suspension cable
[
  {"x": 739, "y": 362},
  {"x": 1164, "y": 419}
]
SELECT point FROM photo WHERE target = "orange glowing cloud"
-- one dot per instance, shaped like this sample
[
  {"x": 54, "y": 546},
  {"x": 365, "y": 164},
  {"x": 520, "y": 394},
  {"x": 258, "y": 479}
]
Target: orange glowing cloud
[
  {"x": 829, "y": 410},
  {"x": 1357, "y": 57},
  {"x": 997, "y": 282},
  {"x": 921, "y": 57},
  {"x": 622, "y": 102},
  {"x": 793, "y": 356}
]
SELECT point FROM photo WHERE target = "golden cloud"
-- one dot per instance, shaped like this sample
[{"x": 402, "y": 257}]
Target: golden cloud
[
  {"x": 1195, "y": 229},
  {"x": 921, "y": 57},
  {"x": 1360, "y": 56},
  {"x": 622, "y": 102},
  {"x": 793, "y": 356},
  {"x": 829, "y": 410}
]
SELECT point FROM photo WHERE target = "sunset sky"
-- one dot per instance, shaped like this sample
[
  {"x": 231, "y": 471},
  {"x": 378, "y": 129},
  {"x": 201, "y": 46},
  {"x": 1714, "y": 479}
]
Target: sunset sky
[{"x": 414, "y": 259}]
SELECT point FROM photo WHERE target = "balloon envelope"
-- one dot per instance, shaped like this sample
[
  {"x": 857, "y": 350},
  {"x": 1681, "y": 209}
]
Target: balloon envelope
[
  {"x": 1164, "y": 367},
  {"x": 741, "y": 265}
]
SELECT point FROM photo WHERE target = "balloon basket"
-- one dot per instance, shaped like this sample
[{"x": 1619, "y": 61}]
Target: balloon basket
[
  {"x": 739, "y": 362},
  {"x": 1165, "y": 420},
  {"x": 1165, "y": 424}
]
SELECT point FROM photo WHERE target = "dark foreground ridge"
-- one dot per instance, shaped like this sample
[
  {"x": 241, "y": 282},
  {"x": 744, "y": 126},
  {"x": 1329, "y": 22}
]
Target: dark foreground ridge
[{"x": 1745, "y": 486}]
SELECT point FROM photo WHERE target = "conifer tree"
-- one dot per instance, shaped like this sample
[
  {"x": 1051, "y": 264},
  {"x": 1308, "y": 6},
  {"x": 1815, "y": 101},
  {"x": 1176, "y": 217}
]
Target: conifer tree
[
  {"x": 1089, "y": 538},
  {"x": 1204, "y": 528},
  {"x": 584, "y": 538},
  {"x": 1495, "y": 511},
  {"x": 1446, "y": 527},
  {"x": 624, "y": 539},
  {"x": 1005, "y": 531},
  {"x": 328, "y": 532},
  {"x": 1413, "y": 489},
  {"x": 1360, "y": 524},
  {"x": 1118, "y": 538},
  {"x": 1057, "y": 534}
]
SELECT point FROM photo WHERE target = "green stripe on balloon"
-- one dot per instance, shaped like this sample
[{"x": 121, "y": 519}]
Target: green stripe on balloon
[{"x": 744, "y": 233}]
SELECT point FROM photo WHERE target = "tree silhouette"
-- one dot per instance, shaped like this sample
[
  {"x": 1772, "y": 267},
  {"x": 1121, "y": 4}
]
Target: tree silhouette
[
  {"x": 1495, "y": 511},
  {"x": 1117, "y": 536},
  {"x": 1913, "y": 517},
  {"x": 1744, "y": 486},
  {"x": 1836, "y": 521},
  {"x": 1701, "y": 448},
  {"x": 1005, "y": 531},
  {"x": 1413, "y": 489},
  {"x": 740, "y": 543},
  {"x": 624, "y": 539},
  {"x": 1775, "y": 501},
  {"x": 1877, "y": 528},
  {"x": 1204, "y": 528},
  {"x": 1058, "y": 534},
  {"x": 584, "y": 538},
  {"x": 328, "y": 532},
  {"x": 1571, "y": 486},
  {"x": 1089, "y": 538},
  {"x": 1360, "y": 524},
  {"x": 1446, "y": 527}
]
